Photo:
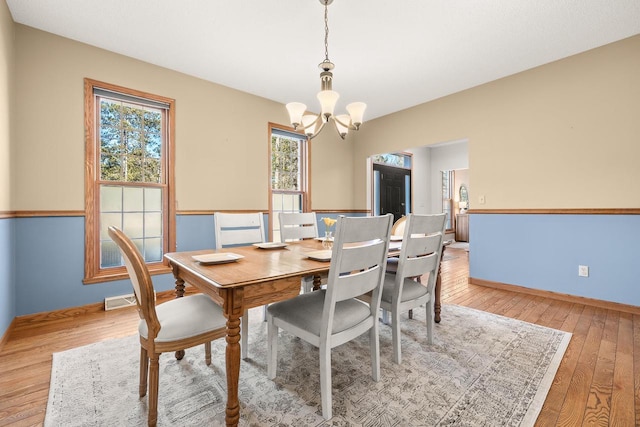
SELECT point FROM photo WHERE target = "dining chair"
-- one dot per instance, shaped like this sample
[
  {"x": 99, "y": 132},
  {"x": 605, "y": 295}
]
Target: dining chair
[
  {"x": 397, "y": 231},
  {"x": 168, "y": 327},
  {"x": 419, "y": 255},
  {"x": 333, "y": 316},
  {"x": 398, "y": 226},
  {"x": 240, "y": 229},
  {"x": 299, "y": 226}
]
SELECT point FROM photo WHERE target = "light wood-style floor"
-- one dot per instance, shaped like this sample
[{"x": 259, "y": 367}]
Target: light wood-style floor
[{"x": 598, "y": 382}]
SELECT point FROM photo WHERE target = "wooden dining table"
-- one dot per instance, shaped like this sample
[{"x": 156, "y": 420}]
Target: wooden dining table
[{"x": 258, "y": 277}]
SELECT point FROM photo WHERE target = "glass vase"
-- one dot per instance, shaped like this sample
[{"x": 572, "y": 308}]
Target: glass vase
[{"x": 327, "y": 242}]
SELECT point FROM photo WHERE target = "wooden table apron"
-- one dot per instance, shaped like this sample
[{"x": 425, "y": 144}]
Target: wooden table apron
[{"x": 261, "y": 277}]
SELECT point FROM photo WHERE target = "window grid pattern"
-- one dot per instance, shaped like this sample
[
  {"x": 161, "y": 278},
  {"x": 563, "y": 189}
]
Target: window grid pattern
[{"x": 137, "y": 211}]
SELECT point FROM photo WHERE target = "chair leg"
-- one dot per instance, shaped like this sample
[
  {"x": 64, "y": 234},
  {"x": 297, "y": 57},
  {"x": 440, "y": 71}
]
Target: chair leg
[
  {"x": 207, "y": 353},
  {"x": 325, "y": 381},
  {"x": 272, "y": 349},
  {"x": 374, "y": 344},
  {"x": 264, "y": 313},
  {"x": 154, "y": 372},
  {"x": 430, "y": 308},
  {"x": 395, "y": 336},
  {"x": 419, "y": 280},
  {"x": 385, "y": 316},
  {"x": 244, "y": 334},
  {"x": 144, "y": 371}
]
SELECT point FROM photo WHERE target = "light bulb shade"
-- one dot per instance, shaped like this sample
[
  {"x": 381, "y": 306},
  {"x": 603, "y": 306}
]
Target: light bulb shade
[
  {"x": 342, "y": 124},
  {"x": 308, "y": 124},
  {"x": 356, "y": 111},
  {"x": 296, "y": 110},
  {"x": 328, "y": 99}
]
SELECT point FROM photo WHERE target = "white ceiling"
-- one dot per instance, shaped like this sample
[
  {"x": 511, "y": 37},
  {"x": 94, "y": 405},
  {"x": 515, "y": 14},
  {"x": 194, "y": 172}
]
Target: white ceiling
[{"x": 390, "y": 54}]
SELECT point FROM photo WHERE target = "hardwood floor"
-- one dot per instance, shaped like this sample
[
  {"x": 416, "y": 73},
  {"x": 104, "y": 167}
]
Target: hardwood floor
[{"x": 598, "y": 382}]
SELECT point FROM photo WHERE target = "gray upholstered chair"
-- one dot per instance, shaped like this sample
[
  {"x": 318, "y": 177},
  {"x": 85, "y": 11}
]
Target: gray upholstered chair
[
  {"x": 333, "y": 316},
  {"x": 299, "y": 226},
  {"x": 239, "y": 229},
  {"x": 420, "y": 255},
  {"x": 172, "y": 326}
]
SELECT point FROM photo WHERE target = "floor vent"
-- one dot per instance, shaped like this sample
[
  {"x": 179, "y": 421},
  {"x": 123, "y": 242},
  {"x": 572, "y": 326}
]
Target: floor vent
[{"x": 121, "y": 301}]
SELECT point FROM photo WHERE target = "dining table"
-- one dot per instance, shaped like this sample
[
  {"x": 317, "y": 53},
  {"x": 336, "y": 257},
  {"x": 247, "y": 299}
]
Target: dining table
[{"x": 240, "y": 278}]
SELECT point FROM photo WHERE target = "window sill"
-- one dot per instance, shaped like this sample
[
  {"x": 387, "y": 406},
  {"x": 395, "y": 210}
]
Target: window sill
[{"x": 120, "y": 273}]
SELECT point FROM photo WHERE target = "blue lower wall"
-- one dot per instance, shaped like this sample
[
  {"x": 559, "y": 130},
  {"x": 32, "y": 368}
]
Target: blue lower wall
[
  {"x": 544, "y": 251},
  {"x": 50, "y": 267},
  {"x": 7, "y": 275}
]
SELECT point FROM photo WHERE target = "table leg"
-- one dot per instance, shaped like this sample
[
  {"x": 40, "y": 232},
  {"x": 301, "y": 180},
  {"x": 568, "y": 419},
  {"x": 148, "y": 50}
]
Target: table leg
[
  {"x": 179, "y": 281},
  {"x": 317, "y": 282},
  {"x": 436, "y": 304},
  {"x": 179, "y": 294},
  {"x": 233, "y": 311}
]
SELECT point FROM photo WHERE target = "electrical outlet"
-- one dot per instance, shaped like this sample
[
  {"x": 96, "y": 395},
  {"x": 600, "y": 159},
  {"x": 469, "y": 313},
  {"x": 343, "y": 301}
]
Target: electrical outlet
[{"x": 583, "y": 270}]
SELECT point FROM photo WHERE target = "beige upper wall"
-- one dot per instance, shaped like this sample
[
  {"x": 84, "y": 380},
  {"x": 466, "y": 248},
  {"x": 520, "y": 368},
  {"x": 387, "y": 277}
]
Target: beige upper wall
[
  {"x": 562, "y": 135},
  {"x": 221, "y": 134},
  {"x": 6, "y": 71},
  {"x": 556, "y": 136}
]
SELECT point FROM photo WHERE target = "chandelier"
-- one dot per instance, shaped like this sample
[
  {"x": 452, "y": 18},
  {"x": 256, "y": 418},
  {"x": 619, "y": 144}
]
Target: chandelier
[{"x": 312, "y": 124}]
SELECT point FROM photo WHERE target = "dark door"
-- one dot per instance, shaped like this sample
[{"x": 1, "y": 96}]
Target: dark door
[{"x": 394, "y": 194}]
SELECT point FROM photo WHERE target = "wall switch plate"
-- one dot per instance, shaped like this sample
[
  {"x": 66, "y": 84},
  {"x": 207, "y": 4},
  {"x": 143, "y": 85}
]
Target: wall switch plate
[
  {"x": 481, "y": 199},
  {"x": 583, "y": 270}
]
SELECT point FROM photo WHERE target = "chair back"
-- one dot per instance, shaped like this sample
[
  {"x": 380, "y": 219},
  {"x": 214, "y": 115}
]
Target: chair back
[
  {"x": 298, "y": 226},
  {"x": 421, "y": 248},
  {"x": 238, "y": 229},
  {"x": 358, "y": 262},
  {"x": 140, "y": 279},
  {"x": 398, "y": 226}
]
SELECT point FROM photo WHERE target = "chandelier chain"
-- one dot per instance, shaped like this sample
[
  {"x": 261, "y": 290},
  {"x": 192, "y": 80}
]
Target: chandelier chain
[{"x": 326, "y": 32}]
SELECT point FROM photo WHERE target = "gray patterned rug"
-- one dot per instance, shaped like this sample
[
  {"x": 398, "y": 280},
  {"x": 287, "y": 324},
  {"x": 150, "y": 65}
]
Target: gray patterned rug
[{"x": 482, "y": 370}]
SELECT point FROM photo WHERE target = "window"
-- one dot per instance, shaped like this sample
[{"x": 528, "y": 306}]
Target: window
[
  {"x": 399, "y": 160},
  {"x": 447, "y": 197},
  {"x": 288, "y": 175},
  {"x": 129, "y": 178}
]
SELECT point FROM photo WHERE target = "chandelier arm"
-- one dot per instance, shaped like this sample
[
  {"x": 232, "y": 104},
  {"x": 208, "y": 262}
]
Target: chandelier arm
[
  {"x": 335, "y": 126},
  {"x": 318, "y": 130},
  {"x": 347, "y": 125},
  {"x": 313, "y": 123}
]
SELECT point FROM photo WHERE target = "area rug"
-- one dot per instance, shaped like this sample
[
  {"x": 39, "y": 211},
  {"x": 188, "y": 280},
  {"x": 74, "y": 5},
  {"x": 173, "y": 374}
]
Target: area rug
[
  {"x": 459, "y": 245},
  {"x": 482, "y": 370}
]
